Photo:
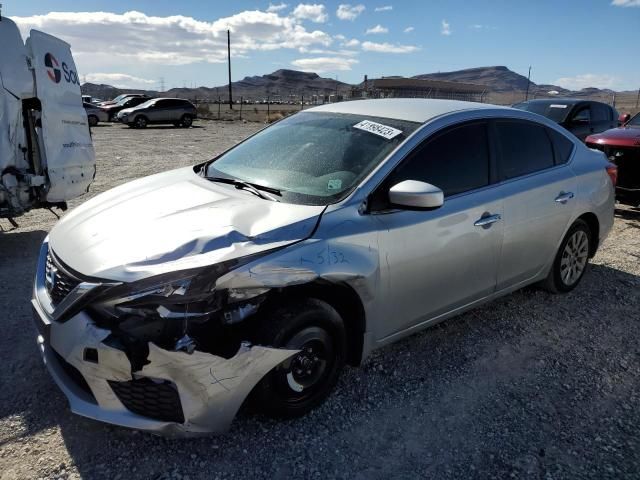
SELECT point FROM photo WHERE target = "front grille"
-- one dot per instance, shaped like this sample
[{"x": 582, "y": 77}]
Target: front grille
[
  {"x": 74, "y": 375},
  {"x": 58, "y": 282},
  {"x": 158, "y": 400}
]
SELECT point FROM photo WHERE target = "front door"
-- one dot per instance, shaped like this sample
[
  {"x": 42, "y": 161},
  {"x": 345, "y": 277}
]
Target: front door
[{"x": 433, "y": 262}]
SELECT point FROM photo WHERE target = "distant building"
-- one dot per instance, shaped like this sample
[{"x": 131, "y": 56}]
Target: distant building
[{"x": 400, "y": 87}]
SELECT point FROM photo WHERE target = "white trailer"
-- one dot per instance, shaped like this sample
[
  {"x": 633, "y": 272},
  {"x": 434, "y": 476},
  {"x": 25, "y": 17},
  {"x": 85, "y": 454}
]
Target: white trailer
[{"x": 46, "y": 152}]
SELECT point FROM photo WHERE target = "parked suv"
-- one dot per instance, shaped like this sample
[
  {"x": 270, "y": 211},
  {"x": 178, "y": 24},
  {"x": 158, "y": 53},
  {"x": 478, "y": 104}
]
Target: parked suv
[
  {"x": 177, "y": 111},
  {"x": 580, "y": 117},
  {"x": 126, "y": 102}
]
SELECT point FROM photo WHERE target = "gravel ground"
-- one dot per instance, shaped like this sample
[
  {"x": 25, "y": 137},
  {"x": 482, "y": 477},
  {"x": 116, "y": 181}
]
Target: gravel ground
[{"x": 530, "y": 386}]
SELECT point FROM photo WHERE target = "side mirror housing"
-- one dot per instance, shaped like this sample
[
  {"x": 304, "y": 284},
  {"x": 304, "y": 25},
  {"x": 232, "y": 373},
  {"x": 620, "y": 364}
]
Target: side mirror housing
[
  {"x": 623, "y": 118},
  {"x": 413, "y": 194}
]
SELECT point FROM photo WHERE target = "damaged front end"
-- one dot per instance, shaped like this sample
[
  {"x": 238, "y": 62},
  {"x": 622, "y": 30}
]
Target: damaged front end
[{"x": 169, "y": 354}]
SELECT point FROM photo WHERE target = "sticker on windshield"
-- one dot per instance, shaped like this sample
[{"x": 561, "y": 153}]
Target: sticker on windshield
[
  {"x": 378, "y": 129},
  {"x": 334, "y": 184},
  {"x": 557, "y": 106}
]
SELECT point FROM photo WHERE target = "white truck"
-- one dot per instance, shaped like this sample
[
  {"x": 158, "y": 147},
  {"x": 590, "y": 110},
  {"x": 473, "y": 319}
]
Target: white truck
[{"x": 46, "y": 152}]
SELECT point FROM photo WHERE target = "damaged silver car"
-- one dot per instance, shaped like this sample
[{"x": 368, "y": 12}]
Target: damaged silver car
[{"x": 167, "y": 302}]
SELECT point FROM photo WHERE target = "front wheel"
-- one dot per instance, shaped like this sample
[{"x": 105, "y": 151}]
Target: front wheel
[
  {"x": 305, "y": 380},
  {"x": 141, "y": 122},
  {"x": 186, "y": 121},
  {"x": 571, "y": 260}
]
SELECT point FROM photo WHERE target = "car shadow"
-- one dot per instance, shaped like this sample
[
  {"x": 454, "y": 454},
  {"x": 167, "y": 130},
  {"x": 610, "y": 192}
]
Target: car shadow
[
  {"x": 446, "y": 383},
  {"x": 30, "y": 391},
  {"x": 164, "y": 127},
  {"x": 628, "y": 213}
]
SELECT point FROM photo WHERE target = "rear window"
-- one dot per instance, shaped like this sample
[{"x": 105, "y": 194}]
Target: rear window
[
  {"x": 524, "y": 148},
  {"x": 553, "y": 111}
]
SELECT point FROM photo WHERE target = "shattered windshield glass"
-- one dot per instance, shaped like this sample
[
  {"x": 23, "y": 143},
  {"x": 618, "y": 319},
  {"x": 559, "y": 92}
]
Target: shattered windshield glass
[{"x": 313, "y": 158}]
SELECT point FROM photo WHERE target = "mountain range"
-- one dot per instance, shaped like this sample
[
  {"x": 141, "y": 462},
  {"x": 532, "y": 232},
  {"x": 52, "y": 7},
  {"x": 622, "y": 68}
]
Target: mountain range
[{"x": 284, "y": 83}]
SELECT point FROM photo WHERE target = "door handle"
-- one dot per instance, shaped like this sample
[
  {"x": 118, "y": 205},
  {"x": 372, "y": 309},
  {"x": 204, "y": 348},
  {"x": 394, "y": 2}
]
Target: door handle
[
  {"x": 564, "y": 197},
  {"x": 488, "y": 220}
]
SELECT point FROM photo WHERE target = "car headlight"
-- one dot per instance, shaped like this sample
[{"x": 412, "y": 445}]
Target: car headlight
[{"x": 185, "y": 293}]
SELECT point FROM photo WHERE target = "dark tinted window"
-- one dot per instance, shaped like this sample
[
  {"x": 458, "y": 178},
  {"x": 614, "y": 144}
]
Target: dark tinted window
[
  {"x": 524, "y": 147},
  {"x": 600, "y": 112},
  {"x": 561, "y": 145},
  {"x": 582, "y": 116},
  {"x": 455, "y": 161},
  {"x": 556, "y": 111}
]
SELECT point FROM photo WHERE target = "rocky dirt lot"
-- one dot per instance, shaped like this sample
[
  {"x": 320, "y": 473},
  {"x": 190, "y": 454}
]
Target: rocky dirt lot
[{"x": 531, "y": 386}]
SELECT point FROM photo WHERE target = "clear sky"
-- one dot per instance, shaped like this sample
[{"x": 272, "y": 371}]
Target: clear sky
[{"x": 571, "y": 43}]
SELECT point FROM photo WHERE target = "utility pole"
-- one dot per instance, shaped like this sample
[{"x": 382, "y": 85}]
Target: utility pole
[
  {"x": 526, "y": 96},
  {"x": 229, "y": 62},
  {"x": 162, "y": 84},
  {"x": 638, "y": 98}
]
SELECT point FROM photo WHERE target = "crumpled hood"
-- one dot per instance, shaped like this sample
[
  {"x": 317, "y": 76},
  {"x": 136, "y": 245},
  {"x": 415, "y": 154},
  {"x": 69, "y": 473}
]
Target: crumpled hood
[{"x": 173, "y": 221}]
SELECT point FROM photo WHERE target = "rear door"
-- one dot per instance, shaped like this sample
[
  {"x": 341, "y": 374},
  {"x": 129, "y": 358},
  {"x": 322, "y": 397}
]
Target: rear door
[
  {"x": 601, "y": 117},
  {"x": 538, "y": 189},
  {"x": 68, "y": 150}
]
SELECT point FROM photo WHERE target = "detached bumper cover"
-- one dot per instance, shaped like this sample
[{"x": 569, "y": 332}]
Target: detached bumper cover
[{"x": 210, "y": 388}]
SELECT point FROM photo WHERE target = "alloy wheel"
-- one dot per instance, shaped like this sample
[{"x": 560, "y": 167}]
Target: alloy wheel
[{"x": 574, "y": 258}]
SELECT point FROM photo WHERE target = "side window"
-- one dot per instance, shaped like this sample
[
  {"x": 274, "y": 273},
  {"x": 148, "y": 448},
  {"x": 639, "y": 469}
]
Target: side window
[
  {"x": 599, "y": 112},
  {"x": 455, "y": 161},
  {"x": 524, "y": 148},
  {"x": 562, "y": 146},
  {"x": 582, "y": 116},
  {"x": 161, "y": 104}
]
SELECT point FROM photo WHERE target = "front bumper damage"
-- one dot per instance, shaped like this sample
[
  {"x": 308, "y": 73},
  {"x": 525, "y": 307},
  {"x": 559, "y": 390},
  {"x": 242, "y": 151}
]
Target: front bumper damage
[{"x": 207, "y": 390}]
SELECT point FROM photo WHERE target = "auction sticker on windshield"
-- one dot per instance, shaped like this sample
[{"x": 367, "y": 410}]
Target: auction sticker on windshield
[
  {"x": 378, "y": 129},
  {"x": 557, "y": 106}
]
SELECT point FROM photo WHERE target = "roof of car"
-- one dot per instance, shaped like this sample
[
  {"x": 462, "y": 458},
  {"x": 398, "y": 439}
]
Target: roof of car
[{"x": 409, "y": 109}]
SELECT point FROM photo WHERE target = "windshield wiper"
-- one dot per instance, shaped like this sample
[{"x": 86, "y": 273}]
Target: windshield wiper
[{"x": 251, "y": 187}]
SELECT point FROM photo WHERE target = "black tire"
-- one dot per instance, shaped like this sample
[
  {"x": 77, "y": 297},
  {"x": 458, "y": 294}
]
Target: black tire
[
  {"x": 566, "y": 272},
  {"x": 303, "y": 382},
  {"x": 186, "y": 121},
  {"x": 141, "y": 121},
  {"x": 93, "y": 120}
]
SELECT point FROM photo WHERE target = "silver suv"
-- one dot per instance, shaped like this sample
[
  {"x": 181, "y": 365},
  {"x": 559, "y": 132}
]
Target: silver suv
[
  {"x": 176, "y": 111},
  {"x": 331, "y": 233}
]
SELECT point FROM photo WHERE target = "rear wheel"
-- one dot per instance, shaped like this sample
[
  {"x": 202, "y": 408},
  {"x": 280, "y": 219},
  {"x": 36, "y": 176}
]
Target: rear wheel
[
  {"x": 304, "y": 381},
  {"x": 93, "y": 120},
  {"x": 140, "y": 121},
  {"x": 571, "y": 260}
]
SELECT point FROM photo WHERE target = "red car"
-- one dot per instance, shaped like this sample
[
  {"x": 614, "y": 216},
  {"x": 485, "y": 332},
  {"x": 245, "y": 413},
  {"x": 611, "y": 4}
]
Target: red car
[{"x": 622, "y": 146}]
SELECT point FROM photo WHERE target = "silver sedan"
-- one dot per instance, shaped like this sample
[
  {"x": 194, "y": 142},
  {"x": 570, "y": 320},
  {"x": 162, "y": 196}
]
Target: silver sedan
[{"x": 163, "y": 303}]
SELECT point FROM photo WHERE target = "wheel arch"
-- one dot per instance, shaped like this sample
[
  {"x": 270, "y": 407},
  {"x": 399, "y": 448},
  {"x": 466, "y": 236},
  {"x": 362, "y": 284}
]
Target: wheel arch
[
  {"x": 591, "y": 219},
  {"x": 347, "y": 303}
]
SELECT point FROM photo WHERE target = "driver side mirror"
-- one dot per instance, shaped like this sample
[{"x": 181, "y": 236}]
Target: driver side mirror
[
  {"x": 413, "y": 194},
  {"x": 623, "y": 118}
]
